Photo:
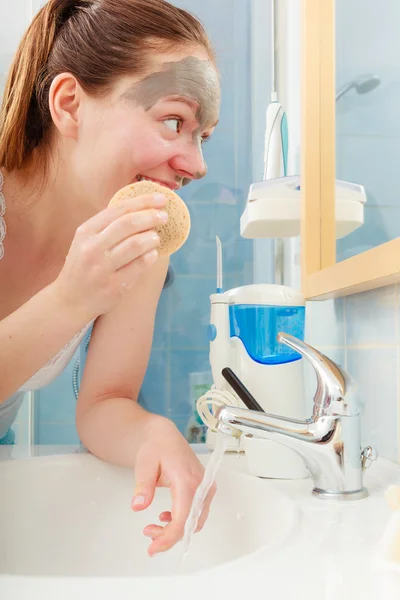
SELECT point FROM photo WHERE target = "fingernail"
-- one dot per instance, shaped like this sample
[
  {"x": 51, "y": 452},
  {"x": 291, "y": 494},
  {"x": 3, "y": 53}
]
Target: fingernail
[
  {"x": 151, "y": 256},
  {"x": 137, "y": 501},
  {"x": 159, "y": 199},
  {"x": 163, "y": 216}
]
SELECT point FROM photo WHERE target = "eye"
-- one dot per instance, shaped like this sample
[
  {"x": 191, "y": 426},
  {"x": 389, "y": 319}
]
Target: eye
[
  {"x": 174, "y": 123},
  {"x": 205, "y": 139}
]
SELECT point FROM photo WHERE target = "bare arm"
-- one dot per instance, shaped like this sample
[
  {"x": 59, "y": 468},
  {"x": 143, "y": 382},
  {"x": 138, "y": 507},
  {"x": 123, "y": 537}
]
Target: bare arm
[
  {"x": 114, "y": 427},
  {"x": 109, "y": 420},
  {"x": 29, "y": 339}
]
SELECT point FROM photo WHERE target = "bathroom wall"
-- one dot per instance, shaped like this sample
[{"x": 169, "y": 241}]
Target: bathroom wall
[
  {"x": 180, "y": 346},
  {"x": 362, "y": 331}
]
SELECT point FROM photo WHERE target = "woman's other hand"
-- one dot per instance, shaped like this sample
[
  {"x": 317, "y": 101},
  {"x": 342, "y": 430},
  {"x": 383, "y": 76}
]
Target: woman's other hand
[{"x": 165, "y": 459}]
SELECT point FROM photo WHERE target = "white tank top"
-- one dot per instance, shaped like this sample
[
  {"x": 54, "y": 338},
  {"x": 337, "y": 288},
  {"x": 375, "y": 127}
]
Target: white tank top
[{"x": 45, "y": 375}]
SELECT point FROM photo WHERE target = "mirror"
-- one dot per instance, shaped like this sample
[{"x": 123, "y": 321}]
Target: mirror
[
  {"x": 367, "y": 116},
  {"x": 349, "y": 70}
]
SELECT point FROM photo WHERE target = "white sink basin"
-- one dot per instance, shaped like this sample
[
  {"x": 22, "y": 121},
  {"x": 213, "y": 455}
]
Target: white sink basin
[{"x": 70, "y": 516}]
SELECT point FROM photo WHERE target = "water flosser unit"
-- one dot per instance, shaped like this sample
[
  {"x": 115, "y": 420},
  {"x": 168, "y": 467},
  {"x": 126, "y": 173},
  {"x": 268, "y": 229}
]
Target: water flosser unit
[
  {"x": 245, "y": 322},
  {"x": 242, "y": 334}
]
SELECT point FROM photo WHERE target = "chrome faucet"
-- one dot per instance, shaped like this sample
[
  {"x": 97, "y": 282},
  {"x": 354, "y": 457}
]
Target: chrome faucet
[{"x": 329, "y": 442}]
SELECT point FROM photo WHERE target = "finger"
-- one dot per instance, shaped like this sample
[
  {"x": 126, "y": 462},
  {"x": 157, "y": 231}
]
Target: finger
[
  {"x": 182, "y": 497},
  {"x": 129, "y": 205},
  {"x": 129, "y": 224},
  {"x": 146, "y": 475},
  {"x": 206, "y": 508},
  {"x": 133, "y": 247},
  {"x": 129, "y": 273},
  {"x": 153, "y": 531},
  {"x": 165, "y": 517}
]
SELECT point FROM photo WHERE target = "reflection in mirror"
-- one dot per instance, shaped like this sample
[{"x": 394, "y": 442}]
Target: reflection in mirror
[{"x": 367, "y": 117}]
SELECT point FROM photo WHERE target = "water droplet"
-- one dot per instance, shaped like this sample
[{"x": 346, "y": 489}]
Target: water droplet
[{"x": 238, "y": 448}]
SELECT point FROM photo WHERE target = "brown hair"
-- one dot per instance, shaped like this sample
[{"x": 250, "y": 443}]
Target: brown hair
[{"x": 97, "y": 41}]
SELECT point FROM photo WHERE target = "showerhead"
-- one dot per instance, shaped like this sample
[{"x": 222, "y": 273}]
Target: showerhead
[
  {"x": 362, "y": 85},
  {"x": 367, "y": 84}
]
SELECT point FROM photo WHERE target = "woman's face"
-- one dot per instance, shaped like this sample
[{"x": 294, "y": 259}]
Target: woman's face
[{"x": 152, "y": 127}]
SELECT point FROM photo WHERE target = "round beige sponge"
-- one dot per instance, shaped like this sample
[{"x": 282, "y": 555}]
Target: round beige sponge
[{"x": 174, "y": 233}]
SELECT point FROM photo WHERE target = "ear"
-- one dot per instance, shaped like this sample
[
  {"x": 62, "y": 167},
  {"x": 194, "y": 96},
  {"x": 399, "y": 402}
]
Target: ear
[{"x": 65, "y": 96}]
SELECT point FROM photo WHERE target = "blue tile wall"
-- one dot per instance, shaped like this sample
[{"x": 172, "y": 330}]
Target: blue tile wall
[
  {"x": 368, "y": 325},
  {"x": 371, "y": 318},
  {"x": 184, "y": 362},
  {"x": 216, "y": 203},
  {"x": 376, "y": 371},
  {"x": 54, "y": 410}
]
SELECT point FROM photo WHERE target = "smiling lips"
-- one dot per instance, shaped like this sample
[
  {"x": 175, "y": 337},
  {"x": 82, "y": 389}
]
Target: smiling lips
[{"x": 171, "y": 185}]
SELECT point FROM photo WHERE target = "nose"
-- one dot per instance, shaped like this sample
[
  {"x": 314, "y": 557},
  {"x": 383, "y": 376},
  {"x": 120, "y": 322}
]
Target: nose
[{"x": 189, "y": 163}]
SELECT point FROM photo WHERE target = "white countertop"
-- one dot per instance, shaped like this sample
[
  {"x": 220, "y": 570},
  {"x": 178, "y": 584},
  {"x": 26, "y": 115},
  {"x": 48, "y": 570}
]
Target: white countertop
[{"x": 332, "y": 554}]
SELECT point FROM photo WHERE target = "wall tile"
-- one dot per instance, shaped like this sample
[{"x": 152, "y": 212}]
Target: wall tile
[
  {"x": 57, "y": 433},
  {"x": 181, "y": 422},
  {"x": 190, "y": 310},
  {"x": 198, "y": 256},
  {"x": 182, "y": 364},
  {"x": 56, "y": 401},
  {"x": 371, "y": 317},
  {"x": 376, "y": 372},
  {"x": 324, "y": 323},
  {"x": 162, "y": 325}
]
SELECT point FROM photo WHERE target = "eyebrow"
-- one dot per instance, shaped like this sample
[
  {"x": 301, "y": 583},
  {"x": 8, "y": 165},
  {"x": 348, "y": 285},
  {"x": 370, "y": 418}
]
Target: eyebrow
[{"x": 191, "y": 103}]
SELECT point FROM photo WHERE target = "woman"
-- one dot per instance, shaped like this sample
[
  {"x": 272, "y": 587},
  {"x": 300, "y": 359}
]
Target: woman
[{"x": 101, "y": 93}]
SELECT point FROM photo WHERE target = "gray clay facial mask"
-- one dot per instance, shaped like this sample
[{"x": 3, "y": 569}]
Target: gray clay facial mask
[{"x": 190, "y": 77}]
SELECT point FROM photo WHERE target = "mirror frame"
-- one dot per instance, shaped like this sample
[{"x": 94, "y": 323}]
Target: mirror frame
[{"x": 321, "y": 276}]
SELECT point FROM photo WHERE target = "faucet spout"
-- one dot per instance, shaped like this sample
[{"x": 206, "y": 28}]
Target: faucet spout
[
  {"x": 329, "y": 442},
  {"x": 334, "y": 463},
  {"x": 261, "y": 424}
]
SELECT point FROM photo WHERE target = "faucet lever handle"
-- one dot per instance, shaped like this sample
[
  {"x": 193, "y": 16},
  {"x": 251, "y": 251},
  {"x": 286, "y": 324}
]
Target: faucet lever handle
[{"x": 332, "y": 395}]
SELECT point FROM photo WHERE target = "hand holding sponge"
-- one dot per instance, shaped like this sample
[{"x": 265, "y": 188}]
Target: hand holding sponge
[{"x": 174, "y": 233}]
